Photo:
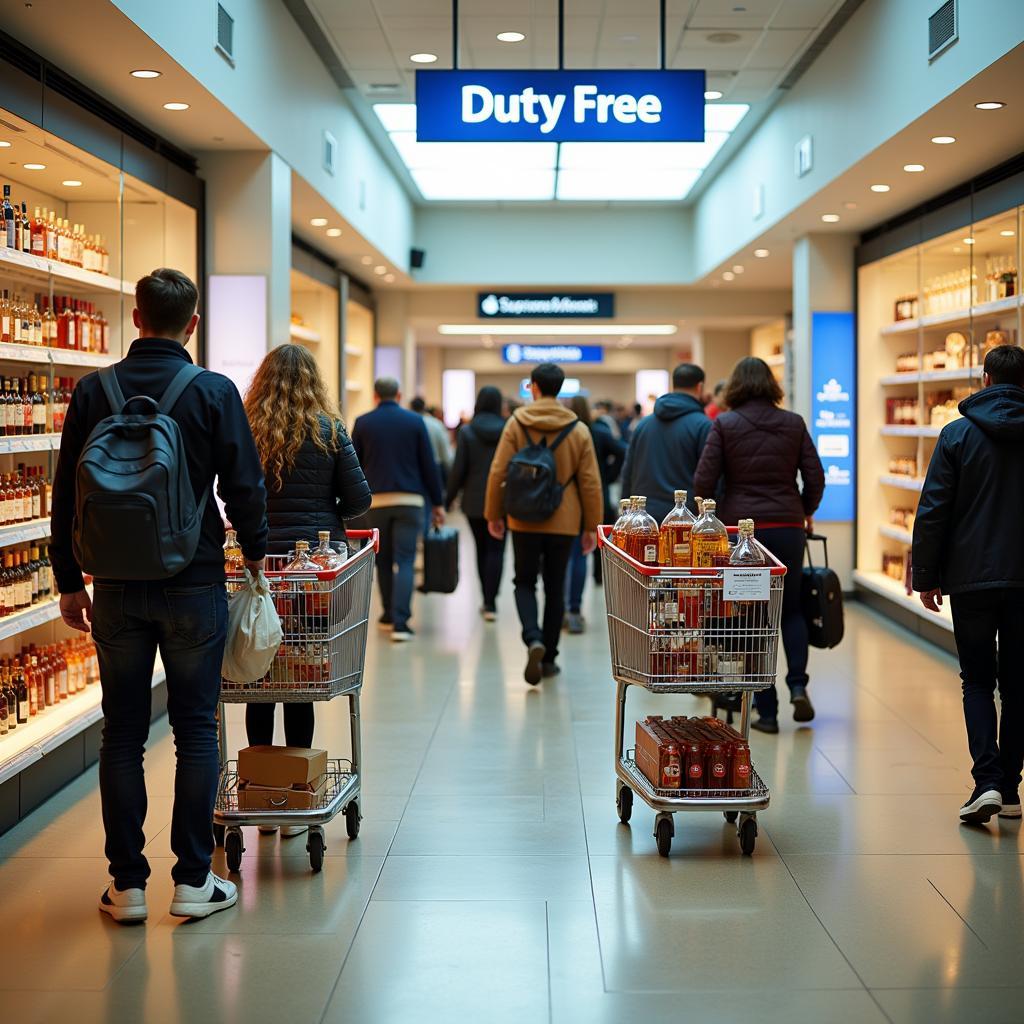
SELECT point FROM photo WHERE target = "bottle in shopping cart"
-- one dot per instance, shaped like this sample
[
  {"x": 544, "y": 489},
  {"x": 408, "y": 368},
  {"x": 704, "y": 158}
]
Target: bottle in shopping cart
[
  {"x": 302, "y": 561},
  {"x": 618, "y": 535},
  {"x": 642, "y": 535},
  {"x": 709, "y": 537},
  {"x": 325, "y": 555},
  {"x": 750, "y": 618},
  {"x": 233, "y": 560},
  {"x": 746, "y": 552},
  {"x": 676, "y": 535}
]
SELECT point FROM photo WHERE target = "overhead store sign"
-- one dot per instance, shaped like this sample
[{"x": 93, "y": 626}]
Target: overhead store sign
[
  {"x": 833, "y": 400},
  {"x": 516, "y": 354},
  {"x": 544, "y": 305},
  {"x": 560, "y": 106}
]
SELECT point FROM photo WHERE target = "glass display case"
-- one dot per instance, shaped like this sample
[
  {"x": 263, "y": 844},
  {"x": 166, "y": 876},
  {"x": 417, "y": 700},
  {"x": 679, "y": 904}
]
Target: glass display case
[
  {"x": 314, "y": 325},
  {"x": 360, "y": 331}
]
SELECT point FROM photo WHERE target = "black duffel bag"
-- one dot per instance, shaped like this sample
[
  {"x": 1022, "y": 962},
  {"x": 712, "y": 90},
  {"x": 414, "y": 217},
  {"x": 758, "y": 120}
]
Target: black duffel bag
[
  {"x": 821, "y": 599},
  {"x": 440, "y": 561}
]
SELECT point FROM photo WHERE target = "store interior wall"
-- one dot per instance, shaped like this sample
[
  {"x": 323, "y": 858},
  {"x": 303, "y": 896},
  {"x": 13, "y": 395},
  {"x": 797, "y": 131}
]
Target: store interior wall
[{"x": 718, "y": 351}]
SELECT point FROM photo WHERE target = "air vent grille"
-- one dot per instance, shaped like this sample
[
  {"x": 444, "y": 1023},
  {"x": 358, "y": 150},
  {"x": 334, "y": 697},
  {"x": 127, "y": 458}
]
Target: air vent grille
[
  {"x": 942, "y": 29},
  {"x": 225, "y": 32}
]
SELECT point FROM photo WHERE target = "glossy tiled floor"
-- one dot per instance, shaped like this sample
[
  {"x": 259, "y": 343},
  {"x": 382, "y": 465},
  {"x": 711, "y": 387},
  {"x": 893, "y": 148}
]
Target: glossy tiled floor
[{"x": 492, "y": 881}]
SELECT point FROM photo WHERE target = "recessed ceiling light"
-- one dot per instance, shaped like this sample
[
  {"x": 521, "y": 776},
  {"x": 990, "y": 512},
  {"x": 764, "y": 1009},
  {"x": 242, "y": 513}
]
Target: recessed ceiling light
[
  {"x": 366, "y": 260},
  {"x": 390, "y": 278},
  {"x": 145, "y": 73},
  {"x": 968, "y": 241},
  {"x": 913, "y": 168},
  {"x": 629, "y": 38},
  {"x": 34, "y": 167},
  {"x": 510, "y": 37},
  {"x": 333, "y": 232},
  {"x": 761, "y": 253},
  {"x": 849, "y": 206},
  {"x": 990, "y": 105},
  {"x": 175, "y": 106},
  {"x": 71, "y": 183},
  {"x": 879, "y": 188},
  {"x": 943, "y": 140},
  {"x": 1007, "y": 234},
  {"x": 712, "y": 94},
  {"x": 724, "y": 38},
  {"x": 737, "y": 269},
  {"x": 5, "y": 145},
  {"x": 728, "y": 276},
  {"x": 318, "y": 222},
  {"x": 830, "y": 218},
  {"x": 423, "y": 58},
  {"x": 380, "y": 271}
]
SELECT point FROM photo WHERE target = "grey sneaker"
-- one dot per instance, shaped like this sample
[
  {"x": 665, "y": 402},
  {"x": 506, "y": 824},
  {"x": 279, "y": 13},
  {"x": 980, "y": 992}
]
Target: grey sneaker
[
  {"x": 576, "y": 623},
  {"x": 535, "y": 655},
  {"x": 803, "y": 709}
]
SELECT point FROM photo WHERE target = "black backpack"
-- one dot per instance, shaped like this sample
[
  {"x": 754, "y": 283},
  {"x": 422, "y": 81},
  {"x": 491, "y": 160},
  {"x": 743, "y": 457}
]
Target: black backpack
[
  {"x": 136, "y": 516},
  {"x": 532, "y": 490}
]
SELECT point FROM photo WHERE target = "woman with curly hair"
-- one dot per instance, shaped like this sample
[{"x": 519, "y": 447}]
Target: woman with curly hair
[{"x": 314, "y": 482}]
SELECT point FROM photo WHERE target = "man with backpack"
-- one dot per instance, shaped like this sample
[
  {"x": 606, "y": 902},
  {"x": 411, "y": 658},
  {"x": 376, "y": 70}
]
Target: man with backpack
[
  {"x": 545, "y": 479},
  {"x": 132, "y": 506}
]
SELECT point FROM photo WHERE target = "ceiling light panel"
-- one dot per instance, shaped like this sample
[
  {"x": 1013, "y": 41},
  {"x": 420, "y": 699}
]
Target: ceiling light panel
[
  {"x": 461, "y": 183},
  {"x": 480, "y": 156},
  {"x": 626, "y": 184},
  {"x": 396, "y": 117},
  {"x": 647, "y": 156},
  {"x": 723, "y": 117}
]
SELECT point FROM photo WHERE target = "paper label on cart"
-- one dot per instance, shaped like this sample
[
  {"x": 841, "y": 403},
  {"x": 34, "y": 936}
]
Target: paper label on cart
[{"x": 746, "y": 584}]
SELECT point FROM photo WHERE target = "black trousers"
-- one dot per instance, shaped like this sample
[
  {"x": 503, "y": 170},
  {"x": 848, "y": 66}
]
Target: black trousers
[
  {"x": 298, "y": 724},
  {"x": 490, "y": 559},
  {"x": 980, "y": 617},
  {"x": 545, "y": 555}
]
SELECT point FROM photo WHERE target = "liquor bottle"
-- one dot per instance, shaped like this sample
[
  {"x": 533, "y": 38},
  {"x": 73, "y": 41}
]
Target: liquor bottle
[
  {"x": 49, "y": 324},
  {"x": 6, "y": 326},
  {"x": 26, "y": 230},
  {"x": 301, "y": 562},
  {"x": 51, "y": 235},
  {"x": 709, "y": 538},
  {"x": 18, "y": 247},
  {"x": 34, "y": 567},
  {"x": 642, "y": 535},
  {"x": 625, "y": 507},
  {"x": 13, "y": 716},
  {"x": 45, "y": 573},
  {"x": 84, "y": 327},
  {"x": 26, "y": 407},
  {"x": 4, "y": 713},
  {"x": 233, "y": 560},
  {"x": 21, "y": 687},
  {"x": 676, "y": 531},
  {"x": 325, "y": 556},
  {"x": 38, "y": 235},
  {"x": 8, "y": 218},
  {"x": 746, "y": 551}
]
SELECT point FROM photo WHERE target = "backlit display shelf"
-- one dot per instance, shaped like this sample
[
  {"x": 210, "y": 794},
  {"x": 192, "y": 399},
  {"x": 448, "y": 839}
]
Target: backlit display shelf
[
  {"x": 879, "y": 583},
  {"x": 36, "y": 269},
  {"x": 22, "y": 533},
  {"x": 896, "y": 533},
  {"x": 905, "y": 430},
  {"x": 40, "y": 355},
  {"x": 905, "y": 483}
]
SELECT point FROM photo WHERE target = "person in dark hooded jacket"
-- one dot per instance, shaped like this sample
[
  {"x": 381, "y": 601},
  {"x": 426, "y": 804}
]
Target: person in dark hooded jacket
[
  {"x": 967, "y": 545},
  {"x": 474, "y": 452},
  {"x": 665, "y": 448}
]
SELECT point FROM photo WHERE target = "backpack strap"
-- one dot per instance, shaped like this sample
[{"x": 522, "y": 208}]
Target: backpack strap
[
  {"x": 562, "y": 435},
  {"x": 180, "y": 382},
  {"x": 522, "y": 427},
  {"x": 112, "y": 389}
]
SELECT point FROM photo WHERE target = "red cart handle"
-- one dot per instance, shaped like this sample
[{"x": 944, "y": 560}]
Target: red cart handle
[{"x": 604, "y": 539}]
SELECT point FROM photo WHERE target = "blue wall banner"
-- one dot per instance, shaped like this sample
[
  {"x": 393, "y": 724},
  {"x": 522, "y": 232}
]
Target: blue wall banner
[
  {"x": 560, "y": 106},
  {"x": 544, "y": 305},
  {"x": 833, "y": 400},
  {"x": 516, "y": 354}
]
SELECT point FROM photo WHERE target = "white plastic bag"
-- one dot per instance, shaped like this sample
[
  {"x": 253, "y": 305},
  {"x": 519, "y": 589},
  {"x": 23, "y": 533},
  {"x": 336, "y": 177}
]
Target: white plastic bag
[{"x": 254, "y": 631}]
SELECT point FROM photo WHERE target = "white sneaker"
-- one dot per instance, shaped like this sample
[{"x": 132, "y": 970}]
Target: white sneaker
[
  {"x": 202, "y": 901},
  {"x": 983, "y": 805},
  {"x": 287, "y": 831},
  {"x": 128, "y": 907}
]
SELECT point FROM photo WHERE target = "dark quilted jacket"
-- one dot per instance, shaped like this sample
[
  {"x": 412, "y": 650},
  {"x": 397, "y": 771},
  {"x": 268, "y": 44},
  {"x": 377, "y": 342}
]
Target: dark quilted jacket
[
  {"x": 756, "y": 452},
  {"x": 473, "y": 454},
  {"x": 319, "y": 493}
]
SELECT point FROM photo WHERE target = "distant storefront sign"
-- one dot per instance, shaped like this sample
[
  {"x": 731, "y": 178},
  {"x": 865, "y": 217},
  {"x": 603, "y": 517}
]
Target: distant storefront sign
[
  {"x": 560, "y": 106},
  {"x": 515, "y": 354},
  {"x": 544, "y": 305},
  {"x": 833, "y": 400}
]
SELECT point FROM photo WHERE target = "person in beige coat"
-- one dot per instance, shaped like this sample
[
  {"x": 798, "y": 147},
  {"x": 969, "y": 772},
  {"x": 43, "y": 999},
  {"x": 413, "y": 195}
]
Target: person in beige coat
[{"x": 542, "y": 548}]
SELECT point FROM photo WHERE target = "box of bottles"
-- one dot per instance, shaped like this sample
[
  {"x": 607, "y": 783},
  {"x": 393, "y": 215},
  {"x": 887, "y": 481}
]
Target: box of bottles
[{"x": 695, "y": 754}]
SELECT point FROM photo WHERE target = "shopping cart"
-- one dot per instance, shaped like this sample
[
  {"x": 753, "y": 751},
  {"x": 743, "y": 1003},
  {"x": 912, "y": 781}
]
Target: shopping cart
[
  {"x": 683, "y": 631},
  {"x": 324, "y": 621}
]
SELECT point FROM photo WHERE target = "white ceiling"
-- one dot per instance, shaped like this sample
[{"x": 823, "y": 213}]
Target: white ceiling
[{"x": 374, "y": 38}]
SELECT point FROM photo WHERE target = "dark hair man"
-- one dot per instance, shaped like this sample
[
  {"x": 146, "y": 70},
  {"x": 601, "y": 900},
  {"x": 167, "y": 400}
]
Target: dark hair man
[
  {"x": 440, "y": 442},
  {"x": 185, "y": 616},
  {"x": 543, "y": 547},
  {"x": 394, "y": 450},
  {"x": 665, "y": 448},
  {"x": 967, "y": 544}
]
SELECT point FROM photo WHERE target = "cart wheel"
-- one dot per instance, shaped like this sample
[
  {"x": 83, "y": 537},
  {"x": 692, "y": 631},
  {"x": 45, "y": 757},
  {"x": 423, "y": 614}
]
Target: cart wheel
[
  {"x": 624, "y": 804},
  {"x": 731, "y": 816},
  {"x": 233, "y": 849},
  {"x": 315, "y": 846},
  {"x": 748, "y": 835},
  {"x": 663, "y": 832},
  {"x": 352, "y": 819},
  {"x": 218, "y": 835}
]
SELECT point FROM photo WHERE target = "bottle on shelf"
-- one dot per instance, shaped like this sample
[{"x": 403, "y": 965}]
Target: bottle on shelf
[
  {"x": 38, "y": 234},
  {"x": 51, "y": 234},
  {"x": 642, "y": 535},
  {"x": 676, "y": 534},
  {"x": 6, "y": 323},
  {"x": 8, "y": 218},
  {"x": 710, "y": 539},
  {"x": 26, "y": 230}
]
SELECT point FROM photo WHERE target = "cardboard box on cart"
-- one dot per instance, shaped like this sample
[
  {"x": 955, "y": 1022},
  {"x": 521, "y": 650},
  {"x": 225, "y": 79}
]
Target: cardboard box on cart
[{"x": 281, "y": 767}]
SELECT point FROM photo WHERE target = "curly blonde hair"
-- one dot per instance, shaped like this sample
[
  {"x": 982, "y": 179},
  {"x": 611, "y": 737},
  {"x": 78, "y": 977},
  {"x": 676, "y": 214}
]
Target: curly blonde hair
[{"x": 287, "y": 402}]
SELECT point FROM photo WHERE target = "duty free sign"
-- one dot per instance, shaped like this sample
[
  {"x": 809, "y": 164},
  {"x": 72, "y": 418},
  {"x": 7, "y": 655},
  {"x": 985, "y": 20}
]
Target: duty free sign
[{"x": 560, "y": 106}]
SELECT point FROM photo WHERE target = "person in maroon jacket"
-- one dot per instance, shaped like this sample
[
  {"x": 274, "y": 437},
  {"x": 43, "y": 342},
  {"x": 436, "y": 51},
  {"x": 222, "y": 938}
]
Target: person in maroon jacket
[{"x": 752, "y": 457}]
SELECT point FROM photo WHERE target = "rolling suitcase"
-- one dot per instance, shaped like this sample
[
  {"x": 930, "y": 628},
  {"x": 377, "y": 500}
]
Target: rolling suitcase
[
  {"x": 440, "y": 561},
  {"x": 821, "y": 599}
]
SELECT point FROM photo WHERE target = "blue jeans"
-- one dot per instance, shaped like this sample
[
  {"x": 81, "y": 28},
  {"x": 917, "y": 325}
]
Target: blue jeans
[
  {"x": 188, "y": 624},
  {"x": 401, "y": 527},
  {"x": 576, "y": 577}
]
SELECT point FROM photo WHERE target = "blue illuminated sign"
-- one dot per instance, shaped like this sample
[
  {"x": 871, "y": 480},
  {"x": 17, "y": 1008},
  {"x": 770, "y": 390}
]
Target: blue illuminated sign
[
  {"x": 516, "y": 354},
  {"x": 560, "y": 106},
  {"x": 833, "y": 401}
]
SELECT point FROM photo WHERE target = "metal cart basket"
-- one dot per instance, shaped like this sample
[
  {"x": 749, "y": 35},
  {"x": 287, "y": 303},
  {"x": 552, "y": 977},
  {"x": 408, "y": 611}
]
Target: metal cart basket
[
  {"x": 700, "y": 631},
  {"x": 324, "y": 621}
]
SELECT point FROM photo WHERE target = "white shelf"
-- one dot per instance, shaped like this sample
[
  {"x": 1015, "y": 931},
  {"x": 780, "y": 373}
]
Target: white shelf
[
  {"x": 879, "y": 583},
  {"x": 306, "y": 334},
  {"x": 776, "y": 360},
  {"x": 35, "y": 268},
  {"x": 20, "y": 533},
  {"x": 896, "y": 533},
  {"x": 29, "y": 443},
  {"x": 901, "y": 430},
  {"x": 901, "y": 326},
  {"x": 925, "y": 376},
  {"x": 37, "y": 615},
  {"x": 46, "y": 732},
  {"x": 954, "y": 316},
  {"x": 353, "y": 385},
  {"x": 354, "y": 350},
  {"x": 43, "y": 356},
  {"x": 66, "y": 357},
  {"x": 906, "y": 483}
]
